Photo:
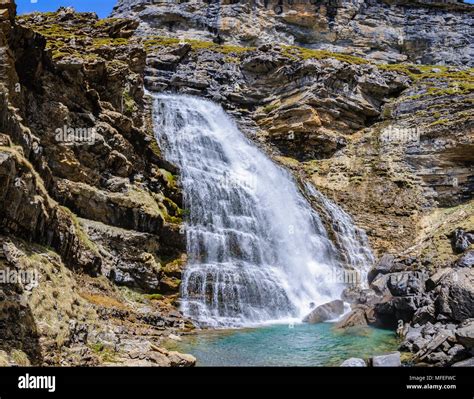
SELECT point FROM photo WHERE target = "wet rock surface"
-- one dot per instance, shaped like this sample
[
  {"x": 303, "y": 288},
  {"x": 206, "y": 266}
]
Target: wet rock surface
[
  {"x": 389, "y": 360},
  {"x": 354, "y": 362},
  {"x": 325, "y": 312}
]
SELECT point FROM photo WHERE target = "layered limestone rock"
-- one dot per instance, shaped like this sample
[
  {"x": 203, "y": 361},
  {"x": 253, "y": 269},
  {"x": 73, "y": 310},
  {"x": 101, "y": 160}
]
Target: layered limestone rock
[
  {"x": 383, "y": 30},
  {"x": 89, "y": 209}
]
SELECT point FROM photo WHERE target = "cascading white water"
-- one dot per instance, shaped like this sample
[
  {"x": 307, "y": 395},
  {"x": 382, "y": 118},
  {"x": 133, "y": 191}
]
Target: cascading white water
[
  {"x": 257, "y": 251},
  {"x": 352, "y": 240}
]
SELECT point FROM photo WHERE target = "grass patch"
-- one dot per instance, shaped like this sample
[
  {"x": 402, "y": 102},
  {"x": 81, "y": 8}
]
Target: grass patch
[
  {"x": 81, "y": 234},
  {"x": 302, "y": 53},
  {"x": 270, "y": 107},
  {"x": 155, "y": 148},
  {"x": 162, "y": 41},
  {"x": 103, "y": 301},
  {"x": 109, "y": 41},
  {"x": 153, "y": 297},
  {"x": 439, "y": 122},
  {"x": 105, "y": 353},
  {"x": 419, "y": 72},
  {"x": 128, "y": 102}
]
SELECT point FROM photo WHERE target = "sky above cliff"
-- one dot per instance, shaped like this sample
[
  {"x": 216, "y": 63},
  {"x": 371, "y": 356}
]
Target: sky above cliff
[{"x": 101, "y": 7}]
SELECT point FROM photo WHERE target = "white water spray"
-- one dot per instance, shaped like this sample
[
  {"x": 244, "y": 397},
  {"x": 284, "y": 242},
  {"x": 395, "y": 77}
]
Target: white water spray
[{"x": 257, "y": 251}]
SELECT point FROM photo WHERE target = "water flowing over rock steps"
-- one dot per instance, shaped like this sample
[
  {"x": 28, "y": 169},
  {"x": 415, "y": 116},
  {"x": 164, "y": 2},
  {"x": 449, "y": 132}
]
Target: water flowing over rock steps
[{"x": 257, "y": 251}]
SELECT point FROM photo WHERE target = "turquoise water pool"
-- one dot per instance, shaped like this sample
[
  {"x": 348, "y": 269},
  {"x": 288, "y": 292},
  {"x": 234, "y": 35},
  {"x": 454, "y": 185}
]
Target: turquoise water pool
[{"x": 284, "y": 345}]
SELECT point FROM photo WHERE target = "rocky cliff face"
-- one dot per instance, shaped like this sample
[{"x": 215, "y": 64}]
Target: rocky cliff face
[
  {"x": 383, "y": 30},
  {"x": 378, "y": 139},
  {"x": 89, "y": 208},
  {"x": 391, "y": 143}
]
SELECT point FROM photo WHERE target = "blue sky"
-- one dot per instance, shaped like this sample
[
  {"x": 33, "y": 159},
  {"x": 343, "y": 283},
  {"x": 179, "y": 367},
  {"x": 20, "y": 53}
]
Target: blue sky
[{"x": 101, "y": 7}]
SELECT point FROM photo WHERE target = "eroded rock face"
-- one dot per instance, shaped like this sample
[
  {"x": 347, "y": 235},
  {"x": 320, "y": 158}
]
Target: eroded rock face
[
  {"x": 392, "y": 144},
  {"x": 86, "y": 199},
  {"x": 456, "y": 294},
  {"x": 29, "y": 212},
  {"x": 465, "y": 333},
  {"x": 389, "y": 31}
]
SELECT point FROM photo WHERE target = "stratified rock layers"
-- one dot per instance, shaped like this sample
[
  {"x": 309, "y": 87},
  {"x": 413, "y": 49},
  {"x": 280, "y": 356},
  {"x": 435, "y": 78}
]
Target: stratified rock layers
[
  {"x": 382, "y": 30},
  {"x": 90, "y": 215}
]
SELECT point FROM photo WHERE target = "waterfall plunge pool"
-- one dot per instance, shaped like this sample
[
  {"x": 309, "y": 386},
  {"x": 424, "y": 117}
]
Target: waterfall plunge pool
[
  {"x": 285, "y": 345},
  {"x": 257, "y": 250}
]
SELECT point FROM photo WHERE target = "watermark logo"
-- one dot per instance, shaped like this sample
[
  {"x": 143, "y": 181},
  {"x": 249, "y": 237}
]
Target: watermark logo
[
  {"x": 37, "y": 382},
  {"x": 345, "y": 276},
  {"x": 235, "y": 180},
  {"x": 25, "y": 278},
  {"x": 75, "y": 135},
  {"x": 394, "y": 135}
]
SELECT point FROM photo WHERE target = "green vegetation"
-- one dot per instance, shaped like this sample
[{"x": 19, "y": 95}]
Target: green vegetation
[
  {"x": 168, "y": 177},
  {"x": 158, "y": 41},
  {"x": 106, "y": 353},
  {"x": 455, "y": 82},
  {"x": 231, "y": 60},
  {"x": 302, "y": 53},
  {"x": 270, "y": 107},
  {"x": 55, "y": 31},
  {"x": 153, "y": 297},
  {"x": 140, "y": 297},
  {"x": 107, "y": 21},
  {"x": 439, "y": 122},
  {"x": 155, "y": 148},
  {"x": 81, "y": 234},
  {"x": 109, "y": 41},
  {"x": 128, "y": 102}
]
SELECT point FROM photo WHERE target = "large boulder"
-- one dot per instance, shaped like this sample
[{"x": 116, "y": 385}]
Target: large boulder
[
  {"x": 425, "y": 314},
  {"x": 406, "y": 283},
  {"x": 353, "y": 362},
  {"x": 360, "y": 296},
  {"x": 413, "y": 339},
  {"x": 379, "y": 284},
  {"x": 461, "y": 240},
  {"x": 466, "y": 260},
  {"x": 7, "y": 9},
  {"x": 465, "y": 363},
  {"x": 435, "y": 278},
  {"x": 456, "y": 294},
  {"x": 382, "y": 267},
  {"x": 325, "y": 312},
  {"x": 465, "y": 334},
  {"x": 389, "y": 312},
  {"x": 388, "y": 360},
  {"x": 360, "y": 315}
]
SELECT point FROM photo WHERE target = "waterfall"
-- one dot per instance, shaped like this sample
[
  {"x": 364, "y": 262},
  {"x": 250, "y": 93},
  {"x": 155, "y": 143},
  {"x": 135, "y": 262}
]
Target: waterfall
[
  {"x": 351, "y": 240},
  {"x": 257, "y": 251}
]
